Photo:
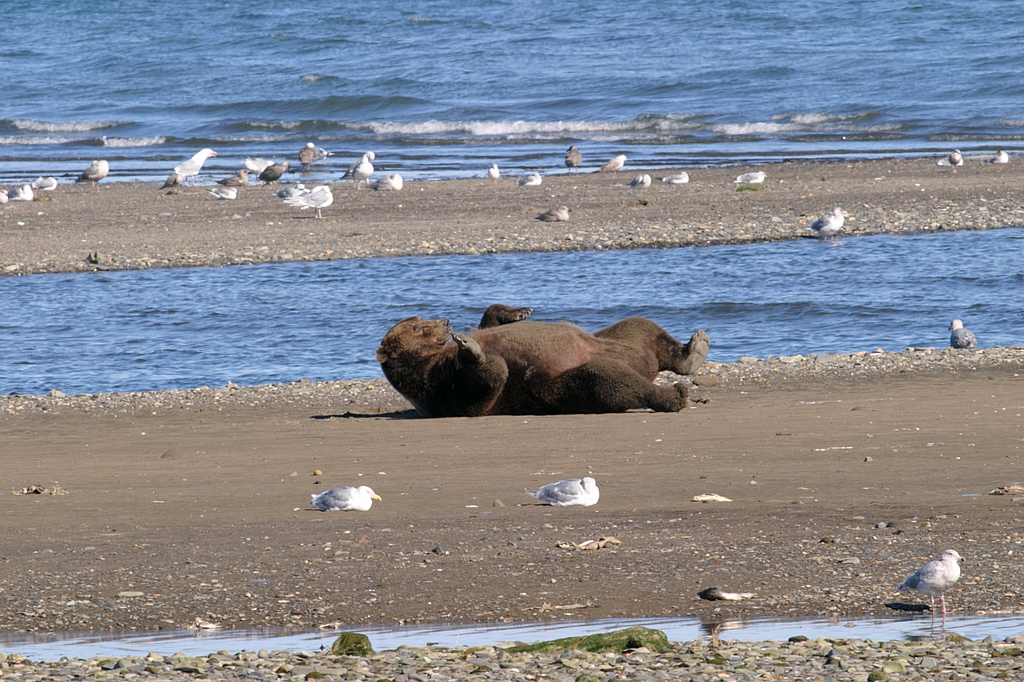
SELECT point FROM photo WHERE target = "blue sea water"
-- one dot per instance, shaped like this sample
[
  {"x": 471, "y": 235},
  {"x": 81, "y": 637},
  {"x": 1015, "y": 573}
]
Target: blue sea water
[
  {"x": 163, "y": 329},
  {"x": 444, "y": 88}
]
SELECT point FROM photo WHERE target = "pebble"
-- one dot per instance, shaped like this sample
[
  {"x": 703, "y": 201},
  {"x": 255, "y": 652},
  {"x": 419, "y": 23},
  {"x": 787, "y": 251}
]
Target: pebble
[{"x": 797, "y": 659}]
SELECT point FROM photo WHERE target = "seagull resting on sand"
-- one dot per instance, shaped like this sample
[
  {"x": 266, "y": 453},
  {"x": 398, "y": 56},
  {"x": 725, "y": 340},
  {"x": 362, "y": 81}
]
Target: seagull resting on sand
[
  {"x": 615, "y": 164},
  {"x": 755, "y": 178},
  {"x": 173, "y": 180},
  {"x": 190, "y": 169},
  {"x": 361, "y": 169},
  {"x": 1000, "y": 157},
  {"x": 319, "y": 197},
  {"x": 289, "y": 192},
  {"x": 571, "y": 491},
  {"x": 955, "y": 159},
  {"x": 44, "y": 184},
  {"x": 392, "y": 182},
  {"x": 934, "y": 578},
  {"x": 533, "y": 180},
  {"x": 222, "y": 192},
  {"x": 23, "y": 193},
  {"x": 573, "y": 159},
  {"x": 641, "y": 182},
  {"x": 96, "y": 171},
  {"x": 559, "y": 214},
  {"x": 827, "y": 226},
  {"x": 960, "y": 337},
  {"x": 677, "y": 179},
  {"x": 345, "y": 498},
  {"x": 240, "y": 180}
]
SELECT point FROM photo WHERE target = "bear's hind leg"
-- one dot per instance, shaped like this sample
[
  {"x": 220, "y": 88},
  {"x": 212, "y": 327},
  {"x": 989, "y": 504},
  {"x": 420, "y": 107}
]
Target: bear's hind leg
[
  {"x": 607, "y": 385},
  {"x": 643, "y": 334}
]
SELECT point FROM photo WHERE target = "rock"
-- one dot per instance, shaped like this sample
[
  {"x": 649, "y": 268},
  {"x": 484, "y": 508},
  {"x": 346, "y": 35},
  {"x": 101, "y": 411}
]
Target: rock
[
  {"x": 705, "y": 380},
  {"x": 497, "y": 503},
  {"x": 351, "y": 644},
  {"x": 171, "y": 454},
  {"x": 54, "y": 393},
  {"x": 618, "y": 642}
]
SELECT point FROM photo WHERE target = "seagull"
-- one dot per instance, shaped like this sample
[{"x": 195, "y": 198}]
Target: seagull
[
  {"x": 641, "y": 182},
  {"x": 677, "y": 179},
  {"x": 319, "y": 197},
  {"x": 934, "y": 578},
  {"x": 573, "y": 159},
  {"x": 392, "y": 182},
  {"x": 173, "y": 180},
  {"x": 615, "y": 164},
  {"x": 222, "y": 192},
  {"x": 955, "y": 159},
  {"x": 289, "y": 192},
  {"x": 256, "y": 166},
  {"x": 3, "y": 196},
  {"x": 240, "y": 180},
  {"x": 96, "y": 171},
  {"x": 361, "y": 169},
  {"x": 755, "y": 178},
  {"x": 571, "y": 491},
  {"x": 560, "y": 214},
  {"x": 493, "y": 173},
  {"x": 1000, "y": 157},
  {"x": 23, "y": 193},
  {"x": 345, "y": 498},
  {"x": 310, "y": 154},
  {"x": 44, "y": 184},
  {"x": 960, "y": 337},
  {"x": 274, "y": 171},
  {"x": 191, "y": 168},
  {"x": 533, "y": 180},
  {"x": 827, "y": 226}
]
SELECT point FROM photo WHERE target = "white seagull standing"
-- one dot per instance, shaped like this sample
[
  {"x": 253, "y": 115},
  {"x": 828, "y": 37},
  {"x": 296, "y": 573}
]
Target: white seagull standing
[
  {"x": 44, "y": 184},
  {"x": 96, "y": 171},
  {"x": 533, "y": 180},
  {"x": 392, "y": 182},
  {"x": 361, "y": 169},
  {"x": 190, "y": 169},
  {"x": 755, "y": 178},
  {"x": 677, "y": 179},
  {"x": 570, "y": 492},
  {"x": 827, "y": 226},
  {"x": 934, "y": 578},
  {"x": 493, "y": 173},
  {"x": 615, "y": 164},
  {"x": 319, "y": 197},
  {"x": 641, "y": 182},
  {"x": 1000, "y": 157},
  {"x": 345, "y": 498},
  {"x": 955, "y": 159},
  {"x": 960, "y": 337},
  {"x": 23, "y": 193},
  {"x": 222, "y": 192}
]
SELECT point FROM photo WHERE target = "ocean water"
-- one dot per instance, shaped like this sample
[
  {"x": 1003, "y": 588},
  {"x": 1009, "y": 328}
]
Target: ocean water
[
  {"x": 183, "y": 328},
  {"x": 444, "y": 88}
]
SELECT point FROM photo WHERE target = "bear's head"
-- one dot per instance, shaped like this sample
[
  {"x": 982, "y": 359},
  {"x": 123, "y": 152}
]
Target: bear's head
[{"x": 414, "y": 338}]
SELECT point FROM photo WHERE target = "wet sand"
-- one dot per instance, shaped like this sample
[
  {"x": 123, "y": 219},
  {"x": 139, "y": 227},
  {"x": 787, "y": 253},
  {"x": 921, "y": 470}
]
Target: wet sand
[{"x": 185, "y": 505}]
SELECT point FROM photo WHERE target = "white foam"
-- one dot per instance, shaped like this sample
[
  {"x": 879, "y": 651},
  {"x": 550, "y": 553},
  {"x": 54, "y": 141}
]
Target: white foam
[
  {"x": 61, "y": 127},
  {"x": 133, "y": 141}
]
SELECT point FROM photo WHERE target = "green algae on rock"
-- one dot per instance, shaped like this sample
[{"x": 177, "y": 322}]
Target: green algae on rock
[{"x": 617, "y": 641}]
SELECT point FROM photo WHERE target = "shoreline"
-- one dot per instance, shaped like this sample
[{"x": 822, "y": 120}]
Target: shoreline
[{"x": 133, "y": 226}]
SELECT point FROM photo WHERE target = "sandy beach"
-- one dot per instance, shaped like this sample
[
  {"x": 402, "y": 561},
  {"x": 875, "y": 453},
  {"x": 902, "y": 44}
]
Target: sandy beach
[{"x": 845, "y": 472}]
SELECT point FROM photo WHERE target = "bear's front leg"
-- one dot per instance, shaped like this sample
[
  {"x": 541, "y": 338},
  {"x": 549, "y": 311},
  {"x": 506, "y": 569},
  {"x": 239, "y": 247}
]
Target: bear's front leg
[{"x": 470, "y": 352}]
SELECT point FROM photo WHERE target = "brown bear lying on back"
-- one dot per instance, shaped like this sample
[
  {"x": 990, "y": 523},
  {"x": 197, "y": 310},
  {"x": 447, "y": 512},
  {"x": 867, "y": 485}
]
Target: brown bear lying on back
[{"x": 510, "y": 365}]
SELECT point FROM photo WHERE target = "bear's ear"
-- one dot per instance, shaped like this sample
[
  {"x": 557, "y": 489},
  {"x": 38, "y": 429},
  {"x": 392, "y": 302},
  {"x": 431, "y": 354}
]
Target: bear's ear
[{"x": 382, "y": 356}]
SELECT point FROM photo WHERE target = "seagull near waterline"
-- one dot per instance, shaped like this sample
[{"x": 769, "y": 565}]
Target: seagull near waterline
[
  {"x": 570, "y": 492},
  {"x": 554, "y": 215},
  {"x": 1000, "y": 157},
  {"x": 273, "y": 172},
  {"x": 96, "y": 171},
  {"x": 827, "y": 226},
  {"x": 393, "y": 182},
  {"x": 173, "y": 180},
  {"x": 310, "y": 154},
  {"x": 615, "y": 164},
  {"x": 955, "y": 159},
  {"x": 23, "y": 193},
  {"x": 677, "y": 179},
  {"x": 361, "y": 169},
  {"x": 345, "y": 498},
  {"x": 755, "y": 178},
  {"x": 533, "y": 180},
  {"x": 44, "y": 184},
  {"x": 960, "y": 337},
  {"x": 493, "y": 173},
  {"x": 319, "y": 197},
  {"x": 935, "y": 578},
  {"x": 222, "y": 192},
  {"x": 573, "y": 159},
  {"x": 290, "y": 192},
  {"x": 190, "y": 169}
]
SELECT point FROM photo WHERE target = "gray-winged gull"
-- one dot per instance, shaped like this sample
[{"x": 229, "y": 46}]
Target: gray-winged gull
[
  {"x": 310, "y": 154},
  {"x": 273, "y": 172},
  {"x": 828, "y": 225},
  {"x": 641, "y": 182},
  {"x": 293, "y": 191},
  {"x": 573, "y": 158},
  {"x": 1000, "y": 157},
  {"x": 960, "y": 337},
  {"x": 96, "y": 171},
  {"x": 345, "y": 498},
  {"x": 190, "y": 169},
  {"x": 392, "y": 182},
  {"x": 570, "y": 492},
  {"x": 222, "y": 192},
  {"x": 361, "y": 169},
  {"x": 680, "y": 178},
  {"x": 44, "y": 184},
  {"x": 554, "y": 215},
  {"x": 319, "y": 197},
  {"x": 532, "y": 180},
  {"x": 616, "y": 163},
  {"x": 755, "y": 178},
  {"x": 935, "y": 577},
  {"x": 23, "y": 193}
]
